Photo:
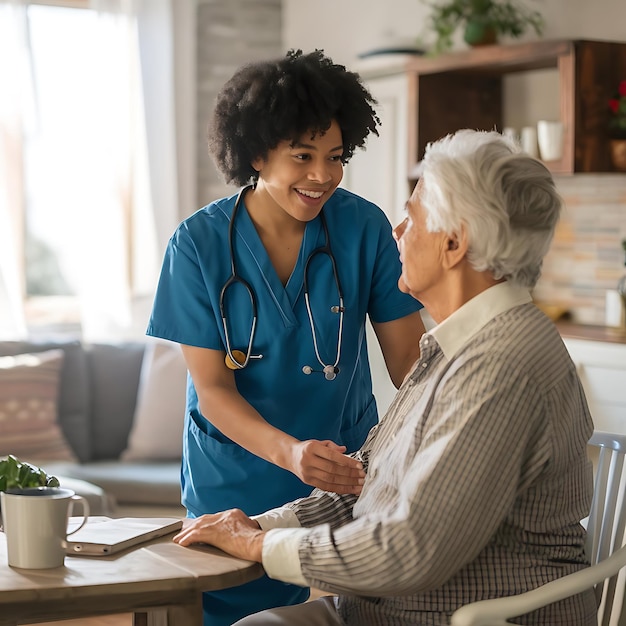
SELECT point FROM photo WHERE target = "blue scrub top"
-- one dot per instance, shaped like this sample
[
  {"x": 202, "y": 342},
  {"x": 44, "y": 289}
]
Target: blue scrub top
[{"x": 216, "y": 472}]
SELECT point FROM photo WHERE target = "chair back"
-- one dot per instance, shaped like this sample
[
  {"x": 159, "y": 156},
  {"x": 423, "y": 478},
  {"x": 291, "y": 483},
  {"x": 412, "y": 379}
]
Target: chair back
[
  {"x": 605, "y": 538},
  {"x": 607, "y": 518}
]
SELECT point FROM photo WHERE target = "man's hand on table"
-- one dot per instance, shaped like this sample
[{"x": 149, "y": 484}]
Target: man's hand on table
[{"x": 232, "y": 531}]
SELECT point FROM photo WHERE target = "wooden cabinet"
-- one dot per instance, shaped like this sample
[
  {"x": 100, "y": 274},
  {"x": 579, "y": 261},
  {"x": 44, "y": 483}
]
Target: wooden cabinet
[
  {"x": 602, "y": 370},
  {"x": 421, "y": 99},
  {"x": 464, "y": 90}
]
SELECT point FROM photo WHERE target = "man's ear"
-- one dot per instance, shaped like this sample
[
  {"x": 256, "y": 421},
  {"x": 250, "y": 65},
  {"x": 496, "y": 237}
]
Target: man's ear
[{"x": 456, "y": 248}]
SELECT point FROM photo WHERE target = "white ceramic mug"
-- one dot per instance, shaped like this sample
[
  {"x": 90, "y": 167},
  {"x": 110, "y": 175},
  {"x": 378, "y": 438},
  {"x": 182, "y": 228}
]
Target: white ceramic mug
[
  {"x": 35, "y": 524},
  {"x": 615, "y": 311},
  {"x": 528, "y": 141},
  {"x": 550, "y": 138}
]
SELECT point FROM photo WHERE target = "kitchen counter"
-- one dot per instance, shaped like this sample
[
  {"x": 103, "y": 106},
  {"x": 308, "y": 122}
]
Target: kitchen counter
[
  {"x": 607, "y": 334},
  {"x": 599, "y": 353}
]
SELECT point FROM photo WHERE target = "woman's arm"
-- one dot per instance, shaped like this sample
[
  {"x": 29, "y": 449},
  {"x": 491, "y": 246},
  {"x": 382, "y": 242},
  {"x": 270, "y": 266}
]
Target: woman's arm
[
  {"x": 399, "y": 342},
  {"x": 318, "y": 463}
]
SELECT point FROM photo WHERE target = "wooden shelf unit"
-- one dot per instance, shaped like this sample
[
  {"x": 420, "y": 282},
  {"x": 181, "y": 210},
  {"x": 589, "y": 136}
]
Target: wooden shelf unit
[{"x": 464, "y": 90}]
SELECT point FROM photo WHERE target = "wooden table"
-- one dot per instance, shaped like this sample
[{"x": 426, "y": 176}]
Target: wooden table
[{"x": 160, "y": 581}]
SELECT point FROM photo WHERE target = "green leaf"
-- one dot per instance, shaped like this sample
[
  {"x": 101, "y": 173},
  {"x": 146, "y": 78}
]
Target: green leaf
[
  {"x": 52, "y": 481},
  {"x": 17, "y": 474}
]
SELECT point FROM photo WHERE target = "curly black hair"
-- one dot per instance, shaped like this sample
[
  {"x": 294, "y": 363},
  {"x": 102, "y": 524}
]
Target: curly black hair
[{"x": 267, "y": 102}]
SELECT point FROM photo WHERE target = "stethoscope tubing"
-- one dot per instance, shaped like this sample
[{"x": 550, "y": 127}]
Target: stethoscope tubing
[
  {"x": 232, "y": 279},
  {"x": 340, "y": 309},
  {"x": 229, "y": 350},
  {"x": 330, "y": 371}
]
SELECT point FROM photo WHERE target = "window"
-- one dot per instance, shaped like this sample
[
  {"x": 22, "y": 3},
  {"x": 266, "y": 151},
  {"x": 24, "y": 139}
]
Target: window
[
  {"x": 65, "y": 145},
  {"x": 83, "y": 167}
]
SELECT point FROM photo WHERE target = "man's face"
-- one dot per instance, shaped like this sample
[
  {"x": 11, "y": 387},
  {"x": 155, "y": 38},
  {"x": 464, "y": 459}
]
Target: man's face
[{"x": 421, "y": 251}]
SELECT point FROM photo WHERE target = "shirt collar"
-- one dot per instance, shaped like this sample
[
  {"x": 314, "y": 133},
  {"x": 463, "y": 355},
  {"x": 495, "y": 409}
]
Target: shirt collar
[{"x": 466, "y": 321}]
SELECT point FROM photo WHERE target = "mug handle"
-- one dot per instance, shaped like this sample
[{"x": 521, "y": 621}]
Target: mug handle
[{"x": 85, "y": 504}]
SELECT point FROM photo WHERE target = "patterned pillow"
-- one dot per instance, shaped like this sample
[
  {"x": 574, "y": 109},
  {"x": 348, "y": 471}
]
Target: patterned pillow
[{"x": 29, "y": 389}]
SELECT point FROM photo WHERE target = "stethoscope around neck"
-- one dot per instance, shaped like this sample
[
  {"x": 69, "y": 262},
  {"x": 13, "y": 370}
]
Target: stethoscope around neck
[{"x": 237, "y": 359}]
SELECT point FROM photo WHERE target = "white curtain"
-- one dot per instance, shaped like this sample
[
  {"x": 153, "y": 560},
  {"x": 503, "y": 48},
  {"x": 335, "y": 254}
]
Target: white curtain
[
  {"x": 121, "y": 255},
  {"x": 131, "y": 196},
  {"x": 14, "y": 78},
  {"x": 144, "y": 72}
]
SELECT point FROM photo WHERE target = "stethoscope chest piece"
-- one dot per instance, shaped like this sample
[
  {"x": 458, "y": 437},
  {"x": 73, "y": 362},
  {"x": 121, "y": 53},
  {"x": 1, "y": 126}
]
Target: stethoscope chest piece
[{"x": 238, "y": 356}]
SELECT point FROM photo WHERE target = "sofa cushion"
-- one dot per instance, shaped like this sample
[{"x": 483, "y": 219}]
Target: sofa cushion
[
  {"x": 157, "y": 432},
  {"x": 74, "y": 391},
  {"x": 114, "y": 379},
  {"x": 128, "y": 483},
  {"x": 29, "y": 390},
  {"x": 100, "y": 502}
]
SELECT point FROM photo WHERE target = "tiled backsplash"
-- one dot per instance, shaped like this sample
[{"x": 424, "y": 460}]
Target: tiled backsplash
[{"x": 586, "y": 257}]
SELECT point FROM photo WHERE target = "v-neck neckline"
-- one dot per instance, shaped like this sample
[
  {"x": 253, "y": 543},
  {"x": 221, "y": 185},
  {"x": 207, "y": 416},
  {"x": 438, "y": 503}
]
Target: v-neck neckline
[{"x": 285, "y": 296}]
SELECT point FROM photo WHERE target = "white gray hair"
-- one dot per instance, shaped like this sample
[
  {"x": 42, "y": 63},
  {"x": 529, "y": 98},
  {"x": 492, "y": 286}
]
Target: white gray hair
[{"x": 505, "y": 199}]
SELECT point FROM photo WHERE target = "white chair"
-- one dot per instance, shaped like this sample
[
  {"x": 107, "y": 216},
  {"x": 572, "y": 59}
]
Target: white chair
[{"x": 605, "y": 533}]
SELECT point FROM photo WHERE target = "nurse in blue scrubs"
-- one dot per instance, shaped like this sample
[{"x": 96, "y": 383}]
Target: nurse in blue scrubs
[{"x": 268, "y": 292}]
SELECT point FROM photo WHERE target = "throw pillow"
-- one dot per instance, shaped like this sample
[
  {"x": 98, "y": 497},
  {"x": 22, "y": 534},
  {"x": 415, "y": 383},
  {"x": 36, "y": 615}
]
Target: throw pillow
[
  {"x": 29, "y": 390},
  {"x": 157, "y": 431}
]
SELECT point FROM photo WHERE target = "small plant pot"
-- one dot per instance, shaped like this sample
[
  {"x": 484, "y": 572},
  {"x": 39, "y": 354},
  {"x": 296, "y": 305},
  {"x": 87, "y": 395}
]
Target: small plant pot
[
  {"x": 480, "y": 33},
  {"x": 618, "y": 154}
]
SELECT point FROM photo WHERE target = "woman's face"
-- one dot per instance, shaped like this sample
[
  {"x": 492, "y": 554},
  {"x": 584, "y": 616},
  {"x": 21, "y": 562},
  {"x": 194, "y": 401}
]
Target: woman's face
[{"x": 300, "y": 177}]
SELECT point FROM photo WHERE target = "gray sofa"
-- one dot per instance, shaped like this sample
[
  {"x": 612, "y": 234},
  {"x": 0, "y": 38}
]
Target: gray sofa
[{"x": 97, "y": 399}]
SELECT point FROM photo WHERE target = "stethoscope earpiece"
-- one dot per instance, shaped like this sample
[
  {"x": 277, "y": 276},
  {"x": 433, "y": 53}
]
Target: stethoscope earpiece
[{"x": 330, "y": 371}]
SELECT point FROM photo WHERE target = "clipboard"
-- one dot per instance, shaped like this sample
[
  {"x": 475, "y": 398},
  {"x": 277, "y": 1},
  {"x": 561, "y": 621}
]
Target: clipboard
[{"x": 103, "y": 538}]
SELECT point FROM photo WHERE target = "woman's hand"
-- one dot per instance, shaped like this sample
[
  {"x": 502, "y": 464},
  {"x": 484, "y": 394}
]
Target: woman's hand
[
  {"x": 317, "y": 463},
  {"x": 232, "y": 531},
  {"x": 323, "y": 464}
]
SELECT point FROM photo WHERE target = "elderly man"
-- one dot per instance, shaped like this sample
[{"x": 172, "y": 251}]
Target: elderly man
[{"x": 477, "y": 477}]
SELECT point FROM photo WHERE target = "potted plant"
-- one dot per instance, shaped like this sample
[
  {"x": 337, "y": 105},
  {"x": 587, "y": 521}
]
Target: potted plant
[
  {"x": 19, "y": 474},
  {"x": 483, "y": 21},
  {"x": 617, "y": 127}
]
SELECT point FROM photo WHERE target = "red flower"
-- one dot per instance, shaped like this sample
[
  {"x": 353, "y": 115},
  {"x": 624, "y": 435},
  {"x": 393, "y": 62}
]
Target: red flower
[{"x": 617, "y": 115}]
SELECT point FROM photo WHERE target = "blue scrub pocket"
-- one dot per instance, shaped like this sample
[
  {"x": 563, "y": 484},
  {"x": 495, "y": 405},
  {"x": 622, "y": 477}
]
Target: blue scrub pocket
[
  {"x": 222, "y": 475},
  {"x": 212, "y": 442},
  {"x": 354, "y": 436}
]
